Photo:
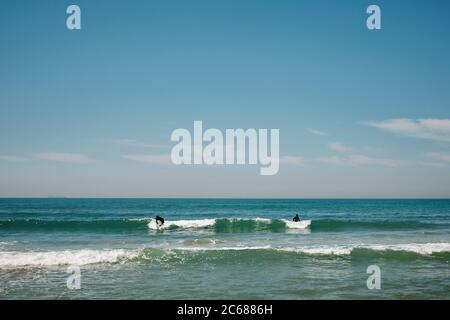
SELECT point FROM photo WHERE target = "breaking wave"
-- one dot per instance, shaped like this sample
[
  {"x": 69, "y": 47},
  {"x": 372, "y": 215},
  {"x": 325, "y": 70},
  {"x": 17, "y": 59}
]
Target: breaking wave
[
  {"x": 17, "y": 259},
  {"x": 220, "y": 225}
]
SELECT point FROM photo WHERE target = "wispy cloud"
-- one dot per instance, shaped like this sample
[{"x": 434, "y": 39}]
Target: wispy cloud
[
  {"x": 150, "y": 158},
  {"x": 137, "y": 143},
  {"x": 292, "y": 160},
  {"x": 12, "y": 158},
  {"x": 65, "y": 157},
  {"x": 360, "y": 160},
  {"x": 339, "y": 147},
  {"x": 438, "y": 156},
  {"x": 432, "y": 129},
  {"x": 316, "y": 132}
]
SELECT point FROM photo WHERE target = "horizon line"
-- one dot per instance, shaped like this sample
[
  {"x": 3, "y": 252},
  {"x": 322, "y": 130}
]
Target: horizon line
[{"x": 224, "y": 198}]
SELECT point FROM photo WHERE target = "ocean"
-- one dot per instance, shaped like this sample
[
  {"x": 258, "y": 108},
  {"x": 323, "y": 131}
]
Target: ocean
[{"x": 223, "y": 249}]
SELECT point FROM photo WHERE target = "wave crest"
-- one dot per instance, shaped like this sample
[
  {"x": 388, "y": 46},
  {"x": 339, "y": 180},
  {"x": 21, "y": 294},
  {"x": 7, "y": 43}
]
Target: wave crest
[
  {"x": 220, "y": 225},
  {"x": 15, "y": 259},
  {"x": 233, "y": 224}
]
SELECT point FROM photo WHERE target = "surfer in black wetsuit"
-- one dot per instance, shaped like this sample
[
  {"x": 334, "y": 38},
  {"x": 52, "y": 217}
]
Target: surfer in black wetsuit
[
  {"x": 159, "y": 221},
  {"x": 296, "y": 218}
]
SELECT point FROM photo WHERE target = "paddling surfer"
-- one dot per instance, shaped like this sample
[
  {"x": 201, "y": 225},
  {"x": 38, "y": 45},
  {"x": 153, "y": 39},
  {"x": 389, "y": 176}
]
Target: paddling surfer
[{"x": 159, "y": 221}]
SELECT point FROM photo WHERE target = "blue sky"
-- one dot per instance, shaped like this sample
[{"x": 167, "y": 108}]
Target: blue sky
[{"x": 74, "y": 104}]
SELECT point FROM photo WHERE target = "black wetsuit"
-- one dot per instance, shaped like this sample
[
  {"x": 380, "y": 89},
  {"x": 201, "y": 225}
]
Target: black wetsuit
[
  {"x": 296, "y": 218},
  {"x": 160, "y": 220}
]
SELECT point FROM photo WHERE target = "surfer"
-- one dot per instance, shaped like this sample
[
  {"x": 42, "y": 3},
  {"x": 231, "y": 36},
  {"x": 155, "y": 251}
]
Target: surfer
[
  {"x": 159, "y": 221},
  {"x": 296, "y": 218}
]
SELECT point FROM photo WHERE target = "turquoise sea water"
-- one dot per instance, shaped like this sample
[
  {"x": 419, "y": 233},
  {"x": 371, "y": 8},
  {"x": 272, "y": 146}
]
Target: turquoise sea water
[{"x": 224, "y": 249}]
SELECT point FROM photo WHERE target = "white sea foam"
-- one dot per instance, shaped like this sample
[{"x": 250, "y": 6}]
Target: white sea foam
[
  {"x": 242, "y": 248},
  {"x": 322, "y": 250},
  {"x": 303, "y": 224},
  {"x": 183, "y": 224},
  {"x": 17, "y": 259},
  {"x": 203, "y": 223},
  {"x": 424, "y": 249},
  {"x": 420, "y": 248},
  {"x": 13, "y": 259},
  {"x": 264, "y": 220},
  {"x": 187, "y": 224}
]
